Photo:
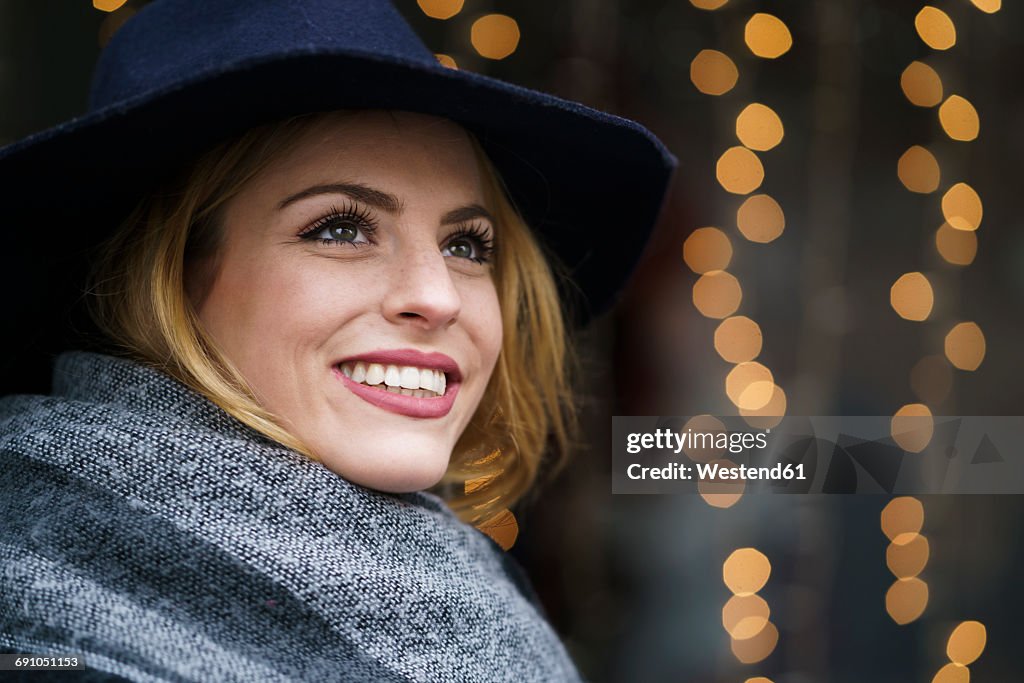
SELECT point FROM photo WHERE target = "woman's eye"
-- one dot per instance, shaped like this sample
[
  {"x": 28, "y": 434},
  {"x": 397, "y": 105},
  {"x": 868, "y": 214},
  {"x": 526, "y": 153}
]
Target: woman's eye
[
  {"x": 338, "y": 229},
  {"x": 469, "y": 244},
  {"x": 461, "y": 248}
]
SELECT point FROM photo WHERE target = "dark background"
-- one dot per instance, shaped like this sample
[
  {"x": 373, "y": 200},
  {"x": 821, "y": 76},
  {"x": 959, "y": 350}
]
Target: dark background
[{"x": 634, "y": 583}]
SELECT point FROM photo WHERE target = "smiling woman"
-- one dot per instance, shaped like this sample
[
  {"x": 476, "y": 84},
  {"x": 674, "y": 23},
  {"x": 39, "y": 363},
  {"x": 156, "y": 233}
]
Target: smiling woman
[{"x": 313, "y": 311}]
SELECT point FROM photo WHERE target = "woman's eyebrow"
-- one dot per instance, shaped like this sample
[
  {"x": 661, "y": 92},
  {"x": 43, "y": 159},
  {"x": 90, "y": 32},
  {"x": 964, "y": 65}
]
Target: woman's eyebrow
[
  {"x": 368, "y": 195},
  {"x": 466, "y": 213}
]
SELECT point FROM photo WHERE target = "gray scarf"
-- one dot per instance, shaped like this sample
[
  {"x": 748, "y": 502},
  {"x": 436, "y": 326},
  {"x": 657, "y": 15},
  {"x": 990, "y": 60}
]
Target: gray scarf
[{"x": 144, "y": 529}]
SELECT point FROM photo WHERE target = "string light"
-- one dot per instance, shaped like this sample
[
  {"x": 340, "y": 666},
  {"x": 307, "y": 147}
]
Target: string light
[
  {"x": 918, "y": 170},
  {"x": 447, "y": 60},
  {"x": 767, "y": 36},
  {"x": 707, "y": 249},
  {"x": 440, "y": 9},
  {"x": 965, "y": 346},
  {"x": 713, "y": 72},
  {"x": 935, "y": 28},
  {"x": 912, "y": 427},
  {"x": 921, "y": 85},
  {"x": 738, "y": 339},
  {"x": 717, "y": 294},
  {"x": 911, "y": 297},
  {"x": 958, "y": 247},
  {"x": 495, "y": 36},
  {"x": 739, "y": 170},
  {"x": 760, "y": 219},
  {"x": 708, "y": 4},
  {"x": 759, "y": 127},
  {"x": 742, "y": 376},
  {"x": 108, "y": 5},
  {"x": 959, "y": 119}
]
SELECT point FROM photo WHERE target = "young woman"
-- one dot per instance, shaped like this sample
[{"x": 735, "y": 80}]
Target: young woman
[{"x": 320, "y": 302}]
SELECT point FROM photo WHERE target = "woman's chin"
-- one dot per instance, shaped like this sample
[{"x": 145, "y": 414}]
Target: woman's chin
[{"x": 388, "y": 469}]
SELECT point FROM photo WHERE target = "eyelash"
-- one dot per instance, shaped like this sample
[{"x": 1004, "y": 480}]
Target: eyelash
[{"x": 361, "y": 219}]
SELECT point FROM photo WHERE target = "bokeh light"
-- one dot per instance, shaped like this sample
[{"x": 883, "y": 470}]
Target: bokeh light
[
  {"x": 902, "y": 519},
  {"x": 760, "y": 219},
  {"x": 965, "y": 346},
  {"x": 108, "y": 5},
  {"x": 739, "y": 170},
  {"x": 708, "y": 4},
  {"x": 921, "y": 84},
  {"x": 756, "y": 649},
  {"x": 738, "y": 339},
  {"x": 704, "y": 424},
  {"x": 958, "y": 247},
  {"x": 935, "y": 28},
  {"x": 759, "y": 127},
  {"x": 502, "y": 527},
  {"x": 767, "y": 36},
  {"x": 962, "y": 208},
  {"x": 966, "y": 642},
  {"x": 717, "y": 294},
  {"x": 906, "y": 600},
  {"x": 988, "y": 6},
  {"x": 768, "y": 415},
  {"x": 918, "y": 170},
  {"x": 959, "y": 119},
  {"x": 721, "y": 493},
  {"x": 907, "y": 560},
  {"x": 912, "y": 427},
  {"x": 744, "y": 616},
  {"x": 931, "y": 379},
  {"x": 447, "y": 60},
  {"x": 494, "y": 36},
  {"x": 440, "y": 9},
  {"x": 746, "y": 571},
  {"x": 758, "y": 679},
  {"x": 713, "y": 72},
  {"x": 911, "y": 297},
  {"x": 952, "y": 673},
  {"x": 707, "y": 249},
  {"x": 742, "y": 376}
]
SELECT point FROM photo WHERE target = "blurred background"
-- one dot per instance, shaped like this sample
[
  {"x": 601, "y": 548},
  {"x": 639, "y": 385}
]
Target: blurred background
[{"x": 845, "y": 229}]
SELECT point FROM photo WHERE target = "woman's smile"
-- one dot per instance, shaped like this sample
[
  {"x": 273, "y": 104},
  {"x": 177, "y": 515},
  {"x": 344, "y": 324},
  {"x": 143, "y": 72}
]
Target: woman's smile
[{"x": 403, "y": 381}]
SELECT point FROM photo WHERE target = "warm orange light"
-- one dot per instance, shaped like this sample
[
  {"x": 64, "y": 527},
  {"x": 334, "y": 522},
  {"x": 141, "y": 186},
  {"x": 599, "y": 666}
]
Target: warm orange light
[
  {"x": 757, "y": 648},
  {"x": 911, "y": 297},
  {"x": 708, "y": 4},
  {"x": 935, "y": 28},
  {"x": 494, "y": 36},
  {"x": 717, "y": 294},
  {"x": 921, "y": 84},
  {"x": 759, "y": 127},
  {"x": 768, "y": 415},
  {"x": 959, "y": 119},
  {"x": 108, "y": 5},
  {"x": 739, "y": 170},
  {"x": 958, "y": 247},
  {"x": 440, "y": 9},
  {"x": 906, "y": 600},
  {"x": 707, "y": 249},
  {"x": 721, "y": 493},
  {"x": 918, "y": 170},
  {"x": 966, "y": 642},
  {"x": 744, "y": 616},
  {"x": 988, "y": 6},
  {"x": 713, "y": 73},
  {"x": 965, "y": 346},
  {"x": 706, "y": 451},
  {"x": 912, "y": 427},
  {"x": 767, "y": 36},
  {"x": 907, "y": 560},
  {"x": 962, "y": 207},
  {"x": 447, "y": 60},
  {"x": 952, "y": 673},
  {"x": 738, "y": 339},
  {"x": 760, "y": 219},
  {"x": 741, "y": 377},
  {"x": 902, "y": 519},
  {"x": 746, "y": 571}
]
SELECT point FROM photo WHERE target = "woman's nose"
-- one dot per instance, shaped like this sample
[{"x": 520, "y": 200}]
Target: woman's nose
[{"x": 422, "y": 290}]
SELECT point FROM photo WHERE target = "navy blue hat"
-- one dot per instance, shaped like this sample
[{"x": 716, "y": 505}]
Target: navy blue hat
[{"x": 183, "y": 75}]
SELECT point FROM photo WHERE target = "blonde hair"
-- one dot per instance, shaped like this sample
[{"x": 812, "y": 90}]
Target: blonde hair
[{"x": 140, "y": 302}]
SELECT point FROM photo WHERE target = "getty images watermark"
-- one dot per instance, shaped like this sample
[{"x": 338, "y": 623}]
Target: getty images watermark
[{"x": 835, "y": 454}]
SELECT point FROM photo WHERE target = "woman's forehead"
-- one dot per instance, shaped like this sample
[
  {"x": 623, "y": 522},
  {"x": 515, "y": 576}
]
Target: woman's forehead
[{"x": 380, "y": 146}]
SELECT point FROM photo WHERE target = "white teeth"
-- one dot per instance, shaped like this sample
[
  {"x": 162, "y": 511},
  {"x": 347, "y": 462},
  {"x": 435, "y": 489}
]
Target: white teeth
[
  {"x": 374, "y": 374},
  {"x": 410, "y": 378},
  {"x": 359, "y": 373},
  {"x": 404, "y": 379}
]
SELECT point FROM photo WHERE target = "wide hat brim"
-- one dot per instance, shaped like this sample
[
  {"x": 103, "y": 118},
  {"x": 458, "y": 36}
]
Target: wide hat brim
[{"x": 589, "y": 183}]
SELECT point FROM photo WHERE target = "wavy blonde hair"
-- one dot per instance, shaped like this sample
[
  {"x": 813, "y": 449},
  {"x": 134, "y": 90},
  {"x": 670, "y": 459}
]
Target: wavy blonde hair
[{"x": 140, "y": 300}]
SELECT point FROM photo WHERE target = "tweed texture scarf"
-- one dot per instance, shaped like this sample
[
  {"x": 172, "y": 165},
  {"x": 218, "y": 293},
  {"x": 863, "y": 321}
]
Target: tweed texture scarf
[{"x": 144, "y": 529}]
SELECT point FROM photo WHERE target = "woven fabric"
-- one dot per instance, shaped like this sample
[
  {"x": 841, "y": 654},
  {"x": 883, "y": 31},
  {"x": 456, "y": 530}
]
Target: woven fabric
[{"x": 148, "y": 531}]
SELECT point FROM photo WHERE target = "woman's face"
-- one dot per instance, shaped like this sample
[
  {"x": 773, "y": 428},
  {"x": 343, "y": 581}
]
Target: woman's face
[{"x": 353, "y": 290}]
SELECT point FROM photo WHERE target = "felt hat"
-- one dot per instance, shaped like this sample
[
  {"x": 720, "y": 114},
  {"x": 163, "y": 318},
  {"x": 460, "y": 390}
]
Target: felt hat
[{"x": 183, "y": 75}]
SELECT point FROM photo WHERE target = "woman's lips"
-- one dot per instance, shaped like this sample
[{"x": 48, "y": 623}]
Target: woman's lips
[{"x": 406, "y": 372}]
